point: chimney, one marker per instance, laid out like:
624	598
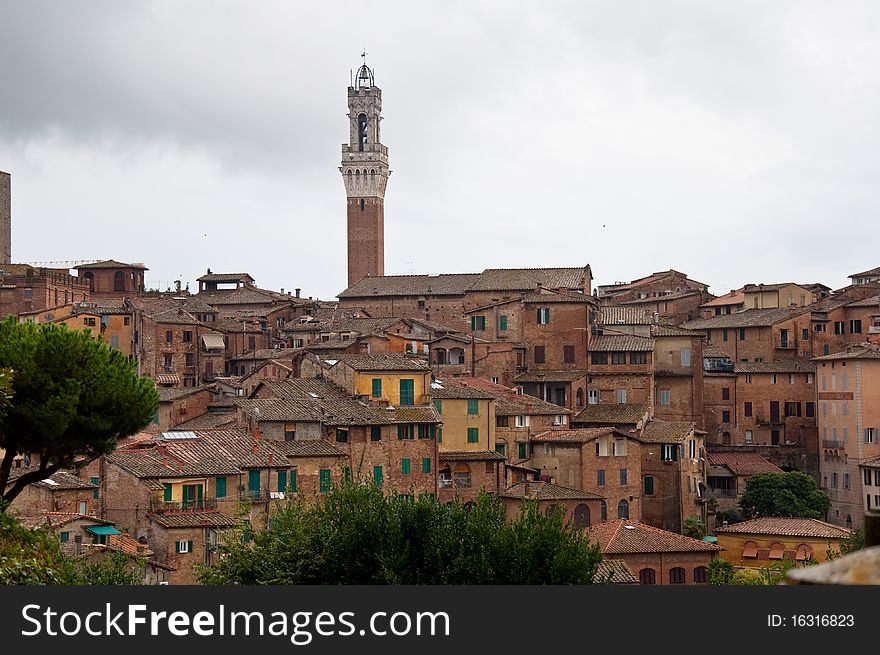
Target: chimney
254	449
271	460
77	544
297	292
282	291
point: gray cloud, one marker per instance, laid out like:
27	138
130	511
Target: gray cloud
736	141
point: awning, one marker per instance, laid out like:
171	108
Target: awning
212	341
102	529
167	378
776	551
750	549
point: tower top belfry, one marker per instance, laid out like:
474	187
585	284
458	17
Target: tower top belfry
364	169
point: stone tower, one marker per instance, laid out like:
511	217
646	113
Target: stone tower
5	218
365	173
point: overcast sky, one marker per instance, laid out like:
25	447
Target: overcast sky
735	141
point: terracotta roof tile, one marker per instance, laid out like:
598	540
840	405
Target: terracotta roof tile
527	279
309	448
446	284
624	536
614	571
111	263
546	491
620	342
742	463
569	375
622	315
384	362
581	435
788	365
860	351
613	413
191	519
788	527
657	431
469	456
747	318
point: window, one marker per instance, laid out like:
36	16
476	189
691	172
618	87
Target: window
519	421
676	575
65	537
426	464
405	431
439	405
603	510
282	480
669	452
405	466
623	509
649	485
724	334
664	395
834	480
838	327
685	357
183	546
407	392
792	409
599	359
501	449
568	354
805	334
623	477
846	480
341	435
870	435
559	419
502	322
750	550
220	487
167	361
187	336
742	334
324	480
473	435
473	407
647	576
747	409
539	354
725	393
810	409
189	359
600	477
592	396
289	431
377	474
543	316
844	408
638	358
748	378
97	482
621	396
868	477
618	358
478	323
521	450
855	326
169	336
748	437
89	321
777	551
376	391
701	574
773	378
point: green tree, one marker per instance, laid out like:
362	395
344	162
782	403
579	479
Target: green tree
784	494
358	535
73	397
694	528
720	572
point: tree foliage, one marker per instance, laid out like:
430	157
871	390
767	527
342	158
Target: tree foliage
694	528
358	535
73	397
792	494
34	557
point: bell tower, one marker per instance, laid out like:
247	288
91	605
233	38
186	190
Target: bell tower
365	173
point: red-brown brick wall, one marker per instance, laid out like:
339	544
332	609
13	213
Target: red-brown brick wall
366	238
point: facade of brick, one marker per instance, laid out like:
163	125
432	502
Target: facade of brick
112	280
25	288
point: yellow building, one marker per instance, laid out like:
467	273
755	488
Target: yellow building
111	324
468	416
771	296
763	541
393	378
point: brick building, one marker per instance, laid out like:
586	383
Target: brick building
581	508
670	294
63	491
728	470
110	279
25	288
849	427
656	556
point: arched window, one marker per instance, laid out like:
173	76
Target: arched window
623	509
362	131
750	550
580	397
603	510
582	516
647	576
90	278
550	509
777	551
676	575
119	281
701	574
804	551
441	356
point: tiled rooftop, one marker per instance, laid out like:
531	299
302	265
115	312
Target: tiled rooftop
788	527
624	536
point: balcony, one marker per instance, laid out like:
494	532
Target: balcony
722	493
461	481
832	443
784	344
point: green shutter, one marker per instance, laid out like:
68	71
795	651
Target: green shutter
190	545
282	480
440	435
167	497
433	431
473	323
176	546
473	435
293	480
95	481
376	433
377	474
254	482
377	387
220	486
502	322
200	495
401	431
439	405
538	316
426	464
404	466
649	485
521	450
501	449
423	434
473	407
325	480
407	392
64	537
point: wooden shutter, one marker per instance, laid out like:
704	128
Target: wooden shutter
426	464
167	496
405	466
